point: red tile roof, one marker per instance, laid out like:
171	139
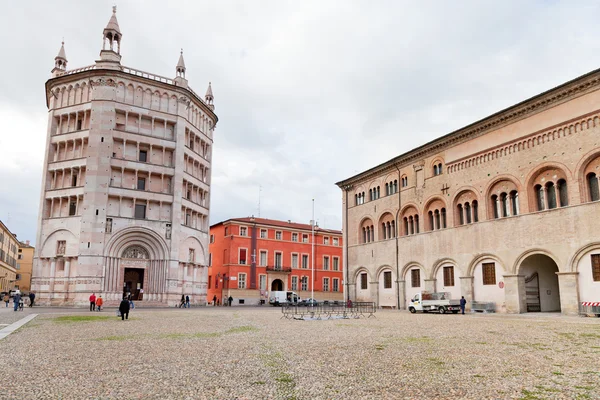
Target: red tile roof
282	224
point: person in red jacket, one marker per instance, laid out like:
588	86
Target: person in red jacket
93	302
99	303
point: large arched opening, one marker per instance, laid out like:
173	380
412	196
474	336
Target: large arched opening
277	285
541	283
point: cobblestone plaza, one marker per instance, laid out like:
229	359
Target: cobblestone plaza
226	353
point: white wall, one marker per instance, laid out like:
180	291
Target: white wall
387	297
489	293
363	295
588	289
455	292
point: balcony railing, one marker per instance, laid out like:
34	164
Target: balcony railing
276	268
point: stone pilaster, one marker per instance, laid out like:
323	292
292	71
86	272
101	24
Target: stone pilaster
514	294
466	289
569	292
374	292
402	293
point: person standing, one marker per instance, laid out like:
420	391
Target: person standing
6	299
215	300
187	301
31	299
463	303
131	305
16	301
230	300
93	302
182	301
124	309
99	303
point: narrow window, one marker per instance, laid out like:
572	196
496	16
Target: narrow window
294	237
263	233
143	156
504	204
140	211
395	185
263	258
430	220
461	217
241	281
326	263
435	170
489	273
278	235
539	192
415	278
209	281
387	189
72	208
406	232
449	276
278	263
294	283
495	206
74	180
563	194
387	280
393	229
468	212
437	219
141	184
326	284
294	260
336	264
262	282
596	267
475	214
593	187
551	193
242	259
443	218
383	230
416	224
79	124
355	199
304	282
305	261
363	281
336	285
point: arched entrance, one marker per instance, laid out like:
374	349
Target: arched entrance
541	283
134	261
277	285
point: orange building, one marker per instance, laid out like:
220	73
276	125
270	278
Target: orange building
250	257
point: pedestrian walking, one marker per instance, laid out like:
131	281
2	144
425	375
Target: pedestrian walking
31	299
187	301
124	309
215	300
21	303
16	300
130	299
182	301
93	302
6	299
463	303
99	303
230	300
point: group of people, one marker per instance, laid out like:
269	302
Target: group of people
96	302
185	301
216	302
18	301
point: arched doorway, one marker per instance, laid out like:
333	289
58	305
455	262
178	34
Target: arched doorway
277	285
134	261
541	283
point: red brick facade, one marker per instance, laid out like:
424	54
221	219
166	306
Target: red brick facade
250	257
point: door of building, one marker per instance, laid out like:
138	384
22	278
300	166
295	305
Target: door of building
532	293
134	283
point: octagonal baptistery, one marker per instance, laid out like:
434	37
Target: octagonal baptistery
125	190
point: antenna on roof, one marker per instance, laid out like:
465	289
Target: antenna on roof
259	190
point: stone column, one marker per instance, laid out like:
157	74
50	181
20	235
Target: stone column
430	285
568	285
52	277
466	289
515	297
402	294
67	274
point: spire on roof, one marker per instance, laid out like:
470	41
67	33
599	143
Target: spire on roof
209	95
113	25
180	68
60	61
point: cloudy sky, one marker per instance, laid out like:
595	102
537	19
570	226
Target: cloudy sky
308	92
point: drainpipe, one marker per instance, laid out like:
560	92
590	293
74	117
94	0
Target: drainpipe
347	281
397	234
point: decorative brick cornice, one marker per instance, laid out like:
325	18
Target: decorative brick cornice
543	101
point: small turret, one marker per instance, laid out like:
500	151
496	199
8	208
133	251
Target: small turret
209	96
110	55
60	61
180	72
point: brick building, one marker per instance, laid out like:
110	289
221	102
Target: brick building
125	189
24	266
501	211
9	245
249	257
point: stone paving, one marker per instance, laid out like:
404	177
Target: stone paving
250	353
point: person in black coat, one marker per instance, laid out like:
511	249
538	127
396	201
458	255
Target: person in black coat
124	309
